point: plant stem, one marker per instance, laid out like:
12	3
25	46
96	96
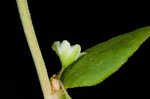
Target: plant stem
35	50
60	73
65	91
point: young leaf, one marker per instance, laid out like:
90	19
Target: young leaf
103	59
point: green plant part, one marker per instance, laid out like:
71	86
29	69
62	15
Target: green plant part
67	54
51	88
99	63
103	59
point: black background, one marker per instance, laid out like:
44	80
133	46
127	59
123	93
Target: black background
85	23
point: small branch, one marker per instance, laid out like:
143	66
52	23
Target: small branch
60	73
64	90
34	48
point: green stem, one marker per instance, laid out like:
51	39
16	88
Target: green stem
35	50
65	91
60	73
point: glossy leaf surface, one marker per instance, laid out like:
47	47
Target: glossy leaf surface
104	59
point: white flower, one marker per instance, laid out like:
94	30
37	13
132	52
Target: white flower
67	54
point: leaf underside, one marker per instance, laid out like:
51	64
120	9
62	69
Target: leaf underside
104	59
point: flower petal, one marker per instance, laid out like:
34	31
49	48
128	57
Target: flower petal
67	54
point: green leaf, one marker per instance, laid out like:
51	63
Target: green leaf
104	59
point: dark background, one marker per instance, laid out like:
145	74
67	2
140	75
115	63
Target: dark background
85	23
